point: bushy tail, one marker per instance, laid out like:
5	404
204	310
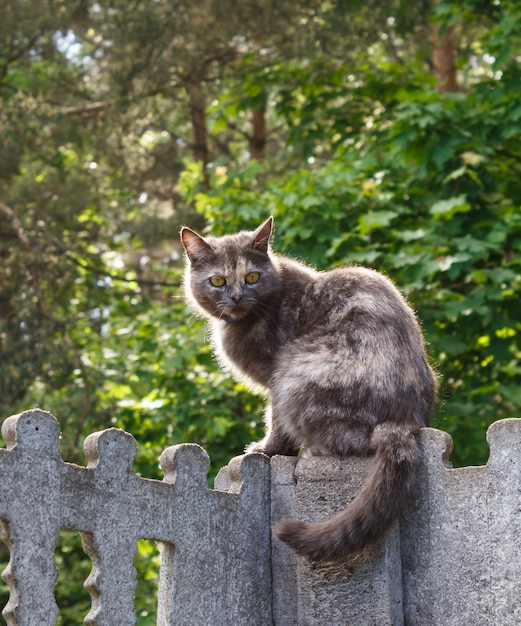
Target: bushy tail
375	506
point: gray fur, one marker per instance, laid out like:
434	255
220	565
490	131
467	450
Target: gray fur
342	356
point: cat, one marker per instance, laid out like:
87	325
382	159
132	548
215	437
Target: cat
342	356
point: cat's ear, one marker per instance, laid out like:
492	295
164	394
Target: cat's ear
261	237
195	246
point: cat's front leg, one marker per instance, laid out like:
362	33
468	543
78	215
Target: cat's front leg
276	441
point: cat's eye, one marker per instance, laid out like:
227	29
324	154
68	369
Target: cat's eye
252	278
218	281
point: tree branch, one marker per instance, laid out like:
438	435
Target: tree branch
118	277
16	56
89	109
15	222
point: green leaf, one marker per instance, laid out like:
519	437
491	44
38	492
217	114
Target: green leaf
448	208
376	219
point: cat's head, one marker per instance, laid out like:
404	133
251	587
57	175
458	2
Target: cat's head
233	276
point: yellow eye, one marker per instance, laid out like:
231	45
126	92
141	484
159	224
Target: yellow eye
218	281
252	278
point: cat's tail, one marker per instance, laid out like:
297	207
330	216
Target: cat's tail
378	502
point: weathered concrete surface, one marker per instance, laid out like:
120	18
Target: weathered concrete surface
30	516
284	560
454	558
362	591
219	572
461	538
220	569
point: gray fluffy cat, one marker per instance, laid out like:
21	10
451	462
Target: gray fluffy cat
342	356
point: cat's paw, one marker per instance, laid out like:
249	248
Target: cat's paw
308	452
257	447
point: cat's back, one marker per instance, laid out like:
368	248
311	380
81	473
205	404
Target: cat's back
355	283
352	295
358	343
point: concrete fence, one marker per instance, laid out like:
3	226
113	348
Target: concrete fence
453	558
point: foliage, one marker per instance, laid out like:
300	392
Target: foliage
120	122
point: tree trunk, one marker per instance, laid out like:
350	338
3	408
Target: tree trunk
198	118
443	59
258	137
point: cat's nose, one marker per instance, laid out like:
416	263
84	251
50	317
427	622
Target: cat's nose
237	298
